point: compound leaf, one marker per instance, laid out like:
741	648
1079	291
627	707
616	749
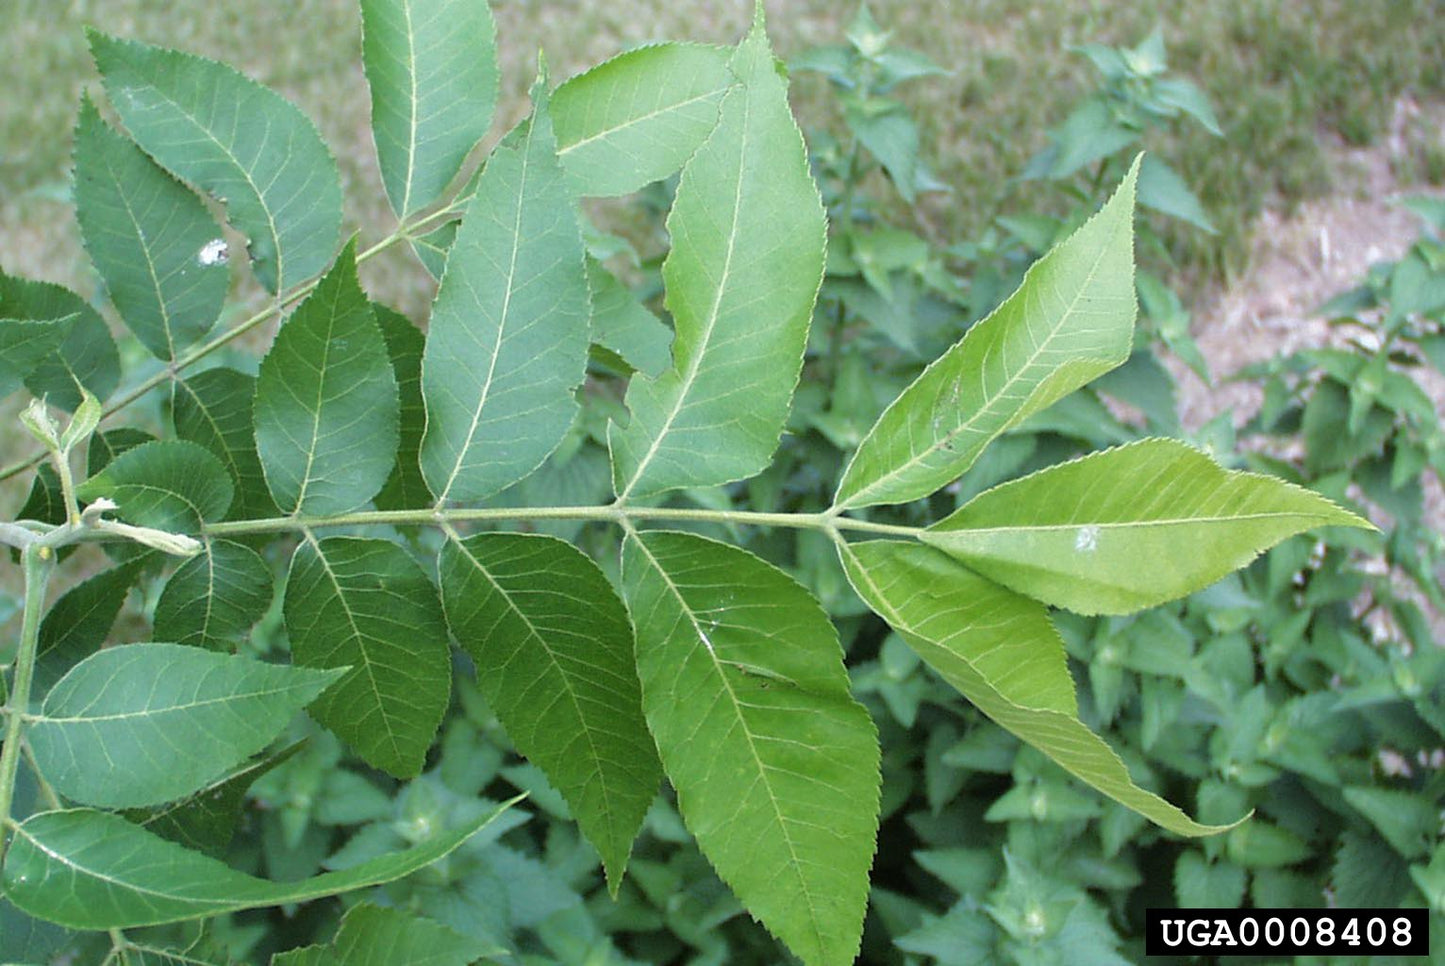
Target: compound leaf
326	401
85	356
213	409
507	342
1001	651
215	598
365	604
432	69
152	240
1070	320
149	723
243	143
747	233
738	659
638	117
166	484
94	870
1127	528
554	657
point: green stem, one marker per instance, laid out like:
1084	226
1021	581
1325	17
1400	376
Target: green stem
191	357
38	563
621	515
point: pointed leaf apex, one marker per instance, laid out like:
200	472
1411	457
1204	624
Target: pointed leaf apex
760	17
540	84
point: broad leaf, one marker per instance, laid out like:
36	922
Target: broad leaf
93	870
747	231
213	409
554	656
507	341
365	604
405	489
167	484
215	598
244	143
85	356
638	117
152	240
77	624
776	766
382	936
25	343
326	401
1071	320
432	69
207	820
149	723
1127	528
1001	651
622	324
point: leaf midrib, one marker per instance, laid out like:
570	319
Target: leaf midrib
638	119
986	409
1130	524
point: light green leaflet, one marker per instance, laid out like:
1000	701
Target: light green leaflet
776	766
1070	321
326	401
166	484
973	632
213	409
365	604
93	870
86	355
636	118
432	69
554	656
622	324
153	241
748	232
382	936
149	723
507	341
1127	528
215	598
244	143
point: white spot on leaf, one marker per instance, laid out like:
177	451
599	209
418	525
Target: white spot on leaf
1087	539
214	252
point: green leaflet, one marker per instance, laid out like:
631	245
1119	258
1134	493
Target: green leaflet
326	401
149	723
554	656
1071	320
748	232
152	240
24	343
638	117
382	936
93	870
213	409
622	324
776	766
241	142
432	69
1127	528
405	489
973	632
86	355
365	604
507	341
215	598
77	624
167	484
